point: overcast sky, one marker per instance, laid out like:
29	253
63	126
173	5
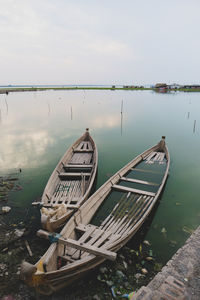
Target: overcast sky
99	42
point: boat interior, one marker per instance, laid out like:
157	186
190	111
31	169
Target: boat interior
73	178
121	211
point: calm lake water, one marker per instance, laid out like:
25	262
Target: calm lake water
37	128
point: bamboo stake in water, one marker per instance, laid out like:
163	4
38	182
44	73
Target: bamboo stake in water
6	106
71	114
121	116
194	126
48	108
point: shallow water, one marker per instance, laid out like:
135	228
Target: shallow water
37	128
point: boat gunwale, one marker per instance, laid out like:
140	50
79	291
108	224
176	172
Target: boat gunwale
54	174
115	246
57	279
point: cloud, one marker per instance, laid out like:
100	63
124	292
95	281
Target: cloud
25	150
98	42
110	48
103	121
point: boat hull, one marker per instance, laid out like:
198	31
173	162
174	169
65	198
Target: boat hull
113	233
66	191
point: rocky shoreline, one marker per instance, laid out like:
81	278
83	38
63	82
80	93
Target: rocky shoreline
180	278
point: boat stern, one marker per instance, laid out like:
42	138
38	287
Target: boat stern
33	275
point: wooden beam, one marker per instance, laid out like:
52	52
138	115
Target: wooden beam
78	166
138	181
83	150
127	189
36	203
81	246
74	174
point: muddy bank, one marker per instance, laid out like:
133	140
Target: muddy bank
133	269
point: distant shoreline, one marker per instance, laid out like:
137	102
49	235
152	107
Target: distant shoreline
35	89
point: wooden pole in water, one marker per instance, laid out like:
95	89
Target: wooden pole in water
194	126
6	106
71	113
28	248
48	108
188	114
121	116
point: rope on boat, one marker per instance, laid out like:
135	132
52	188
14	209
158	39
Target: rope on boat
54	237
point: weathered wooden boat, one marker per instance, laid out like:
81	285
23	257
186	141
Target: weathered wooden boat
90	237
70	183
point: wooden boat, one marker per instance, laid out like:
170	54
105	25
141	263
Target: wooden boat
70	183
90	237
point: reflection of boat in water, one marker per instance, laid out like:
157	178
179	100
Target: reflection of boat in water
90	237
70	183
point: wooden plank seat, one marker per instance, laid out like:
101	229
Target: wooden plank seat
75	254
94	236
139	181
127	189
78	166
83	150
73	174
80	245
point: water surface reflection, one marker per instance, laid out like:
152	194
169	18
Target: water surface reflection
37	128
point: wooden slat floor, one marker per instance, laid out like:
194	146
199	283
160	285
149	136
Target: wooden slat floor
71	190
124	216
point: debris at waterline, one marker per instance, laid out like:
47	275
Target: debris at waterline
11	258
5	209
7	184
28	248
8	234
188	230
120	280
113	275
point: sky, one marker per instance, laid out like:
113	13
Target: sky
99	42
